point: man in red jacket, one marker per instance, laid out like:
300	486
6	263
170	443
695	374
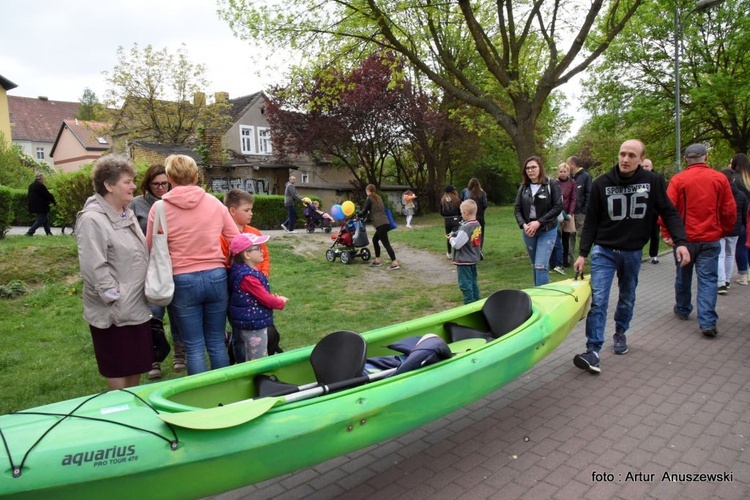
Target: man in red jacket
703	197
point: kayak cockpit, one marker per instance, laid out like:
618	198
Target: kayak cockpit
340	356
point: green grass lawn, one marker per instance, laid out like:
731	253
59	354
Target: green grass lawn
45	348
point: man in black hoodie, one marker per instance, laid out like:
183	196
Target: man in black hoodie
618	225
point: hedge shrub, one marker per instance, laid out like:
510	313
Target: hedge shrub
268	210
6	210
71	190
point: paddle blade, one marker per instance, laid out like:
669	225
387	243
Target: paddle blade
221	417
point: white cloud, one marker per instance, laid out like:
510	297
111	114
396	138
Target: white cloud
56	49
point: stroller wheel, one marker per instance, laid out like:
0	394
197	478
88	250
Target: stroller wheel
328	229
331	255
310	229
346	257
365	254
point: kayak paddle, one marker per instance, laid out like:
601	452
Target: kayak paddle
233	414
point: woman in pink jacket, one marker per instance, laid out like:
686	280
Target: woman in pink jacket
195	220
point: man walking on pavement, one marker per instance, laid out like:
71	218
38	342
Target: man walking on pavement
39	201
704	200
290	198
618	225
583	196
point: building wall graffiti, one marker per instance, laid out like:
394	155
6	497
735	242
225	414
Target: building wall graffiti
251	185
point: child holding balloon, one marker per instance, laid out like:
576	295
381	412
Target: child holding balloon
251	302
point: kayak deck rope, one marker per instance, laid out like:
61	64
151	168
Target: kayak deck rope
571	294
17	469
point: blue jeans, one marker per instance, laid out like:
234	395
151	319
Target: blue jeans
200	311
605	264
291	217
740	254
704	257
42	220
467	283
556	258
539	247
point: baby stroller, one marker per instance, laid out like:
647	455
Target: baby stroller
351	237
316	218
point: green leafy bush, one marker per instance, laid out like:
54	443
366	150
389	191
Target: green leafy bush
16	167
19	201
71	190
12	289
6	210
268	209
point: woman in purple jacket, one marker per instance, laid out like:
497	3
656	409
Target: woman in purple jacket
569	194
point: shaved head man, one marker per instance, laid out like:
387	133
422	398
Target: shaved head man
618	225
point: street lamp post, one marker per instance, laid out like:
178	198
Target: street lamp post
700	6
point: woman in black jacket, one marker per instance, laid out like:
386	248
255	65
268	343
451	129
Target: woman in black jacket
450	209
538	203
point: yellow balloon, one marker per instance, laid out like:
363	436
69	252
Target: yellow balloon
348	208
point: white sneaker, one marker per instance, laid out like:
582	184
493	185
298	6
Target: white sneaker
284	228
293	231
559	270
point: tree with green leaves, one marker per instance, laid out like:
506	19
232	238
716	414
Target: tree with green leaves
158	95
91	109
637	73
505	58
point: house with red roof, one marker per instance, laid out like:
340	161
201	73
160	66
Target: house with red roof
79	142
35	123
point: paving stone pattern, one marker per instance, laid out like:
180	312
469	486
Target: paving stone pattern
677	403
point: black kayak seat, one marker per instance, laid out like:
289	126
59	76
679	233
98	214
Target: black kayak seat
503	312
336	357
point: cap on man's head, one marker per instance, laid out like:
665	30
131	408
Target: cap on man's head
695	151
39	176
243	241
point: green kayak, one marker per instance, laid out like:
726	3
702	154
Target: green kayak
204	434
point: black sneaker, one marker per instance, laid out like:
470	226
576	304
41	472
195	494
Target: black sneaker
621	343
588	361
711	332
682	317
723	290
654	260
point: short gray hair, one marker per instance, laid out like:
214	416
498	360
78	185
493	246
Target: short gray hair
110	169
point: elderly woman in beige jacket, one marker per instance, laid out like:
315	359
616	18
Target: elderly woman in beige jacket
113	259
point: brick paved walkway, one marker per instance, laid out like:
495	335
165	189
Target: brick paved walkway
676	403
